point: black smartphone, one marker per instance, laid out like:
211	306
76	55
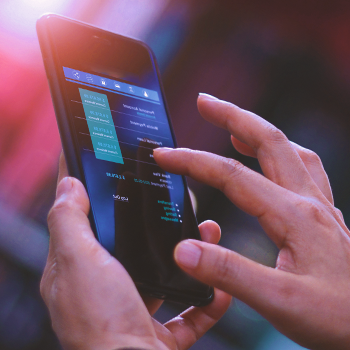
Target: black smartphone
111	113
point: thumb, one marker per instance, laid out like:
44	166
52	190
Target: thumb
261	287
70	232
69	229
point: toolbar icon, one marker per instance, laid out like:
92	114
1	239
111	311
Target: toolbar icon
89	78
131	89
117	85
145	93
76	75
103	82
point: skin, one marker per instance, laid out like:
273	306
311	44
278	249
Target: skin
93	302
307	295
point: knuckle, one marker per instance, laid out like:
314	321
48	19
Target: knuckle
97	254
287	291
231	168
190	155
339	213
60	207
51	218
310	157
68	257
47	278
312	209
224	268
315	210
67	204
190	323
43	286
275	135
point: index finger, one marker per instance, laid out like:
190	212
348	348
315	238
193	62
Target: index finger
276	155
250	191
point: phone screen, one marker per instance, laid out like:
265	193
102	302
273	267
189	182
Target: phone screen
118	116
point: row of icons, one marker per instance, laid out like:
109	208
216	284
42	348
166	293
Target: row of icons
103	82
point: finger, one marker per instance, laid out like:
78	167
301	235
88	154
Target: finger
310	159
193	323
62	168
249	190
275	153
315	168
210	231
261	287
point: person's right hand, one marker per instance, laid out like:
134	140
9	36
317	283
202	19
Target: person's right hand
307	295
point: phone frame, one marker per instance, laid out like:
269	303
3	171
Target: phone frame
70	143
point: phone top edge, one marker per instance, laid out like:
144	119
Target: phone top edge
57	98
46	16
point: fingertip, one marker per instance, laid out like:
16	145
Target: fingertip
171	159
71	190
215	110
162	156
64	186
210	231
187	254
202	96
204	101
161	151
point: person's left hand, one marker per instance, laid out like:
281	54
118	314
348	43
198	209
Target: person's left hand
92	300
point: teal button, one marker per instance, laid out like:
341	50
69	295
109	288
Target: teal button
101	127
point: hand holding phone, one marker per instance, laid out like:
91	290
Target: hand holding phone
92	300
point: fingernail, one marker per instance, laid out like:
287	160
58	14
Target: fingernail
207	96
162	150
188	254
64	187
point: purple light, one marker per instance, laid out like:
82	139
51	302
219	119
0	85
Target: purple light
19	16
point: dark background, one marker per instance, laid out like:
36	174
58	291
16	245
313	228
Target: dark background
286	61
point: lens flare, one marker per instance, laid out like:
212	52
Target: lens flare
19	16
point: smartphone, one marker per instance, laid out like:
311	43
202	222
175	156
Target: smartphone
111	113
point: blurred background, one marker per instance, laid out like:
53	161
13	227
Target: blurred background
286	61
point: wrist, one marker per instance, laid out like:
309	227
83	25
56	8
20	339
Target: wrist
127	342
123	342
135	344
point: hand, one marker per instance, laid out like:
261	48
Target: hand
92	300
307	295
